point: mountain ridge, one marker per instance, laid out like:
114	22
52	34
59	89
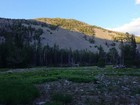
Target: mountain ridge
62	22
70	33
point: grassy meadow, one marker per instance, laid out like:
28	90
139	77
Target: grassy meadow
20	86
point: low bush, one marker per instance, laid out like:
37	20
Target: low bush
79	79
40	80
54	103
15	92
61	98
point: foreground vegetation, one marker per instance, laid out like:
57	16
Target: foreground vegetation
75	74
15	92
18	87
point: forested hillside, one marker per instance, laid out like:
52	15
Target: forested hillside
92	30
29	43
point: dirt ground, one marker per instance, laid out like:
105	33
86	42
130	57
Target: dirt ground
109	90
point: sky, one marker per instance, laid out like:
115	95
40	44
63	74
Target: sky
118	15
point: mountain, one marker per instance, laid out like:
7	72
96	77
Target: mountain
70	33
79	35
57	41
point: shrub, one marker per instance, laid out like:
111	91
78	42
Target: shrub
54	103
39	80
62	98
80	79
15	92
91	40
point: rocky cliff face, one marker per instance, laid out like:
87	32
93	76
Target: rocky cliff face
66	33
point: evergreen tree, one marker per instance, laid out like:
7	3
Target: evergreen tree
101	62
113	56
129	52
101	59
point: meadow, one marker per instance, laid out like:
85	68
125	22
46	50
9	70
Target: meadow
24	86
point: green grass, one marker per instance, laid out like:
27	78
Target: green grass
50	75
15	92
79	74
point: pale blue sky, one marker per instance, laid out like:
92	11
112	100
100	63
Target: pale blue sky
104	13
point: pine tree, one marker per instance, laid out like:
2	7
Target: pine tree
101	59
